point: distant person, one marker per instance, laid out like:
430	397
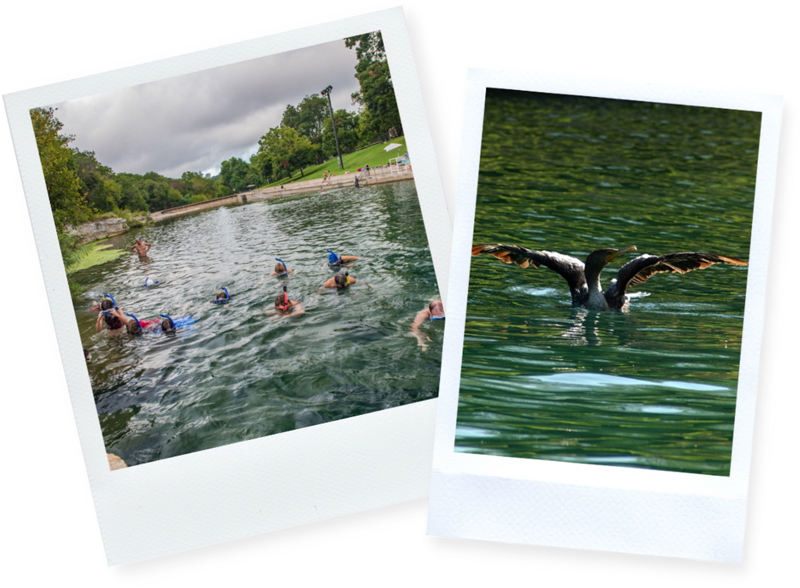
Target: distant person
435	311
366	168
87	356
339	281
136	326
286	307
112	316
337	260
150	282
280	268
223	296
141	247
356	183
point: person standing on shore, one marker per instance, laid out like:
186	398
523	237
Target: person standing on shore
141	248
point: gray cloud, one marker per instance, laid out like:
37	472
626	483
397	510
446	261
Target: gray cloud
196	121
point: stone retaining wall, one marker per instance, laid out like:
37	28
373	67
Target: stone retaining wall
381	175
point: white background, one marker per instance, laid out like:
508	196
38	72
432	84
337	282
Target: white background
48	521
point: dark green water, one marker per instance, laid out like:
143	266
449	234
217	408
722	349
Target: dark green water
654	388
239	373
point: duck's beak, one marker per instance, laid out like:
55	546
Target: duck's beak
618	252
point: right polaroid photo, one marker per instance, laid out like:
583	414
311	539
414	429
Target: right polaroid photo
607	297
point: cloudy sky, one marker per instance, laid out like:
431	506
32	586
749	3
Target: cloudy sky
196	121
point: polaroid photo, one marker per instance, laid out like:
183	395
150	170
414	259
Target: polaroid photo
242	248
608	277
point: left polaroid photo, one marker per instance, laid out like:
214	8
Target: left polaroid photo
245	251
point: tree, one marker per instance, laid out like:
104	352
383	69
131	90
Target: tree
237	174
347	129
286	148
64	188
377	98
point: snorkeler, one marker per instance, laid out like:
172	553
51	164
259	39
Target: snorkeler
280	268
337	260
112	316
149	282
435	311
286	307
167	325
340	281
223	296
141	247
136	326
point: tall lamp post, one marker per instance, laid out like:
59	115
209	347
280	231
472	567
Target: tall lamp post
327	92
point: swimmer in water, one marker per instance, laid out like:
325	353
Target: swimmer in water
112	316
337	260
136	326
339	281
435	311
286	307
223	296
141	248
280	269
167	325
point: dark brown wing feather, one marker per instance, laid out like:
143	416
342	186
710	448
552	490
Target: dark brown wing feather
570	268
639	270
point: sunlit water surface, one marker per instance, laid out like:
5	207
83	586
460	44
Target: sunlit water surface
654	388
237	373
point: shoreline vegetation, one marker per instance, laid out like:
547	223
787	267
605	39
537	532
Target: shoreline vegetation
303	146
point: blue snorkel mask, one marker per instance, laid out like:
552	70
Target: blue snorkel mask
169	318
227	294
333	259
285	270
136	319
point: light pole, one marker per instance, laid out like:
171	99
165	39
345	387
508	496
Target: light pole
327	92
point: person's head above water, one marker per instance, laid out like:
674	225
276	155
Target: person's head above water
106	304
133	327
342	280
436	308
222	295
167	325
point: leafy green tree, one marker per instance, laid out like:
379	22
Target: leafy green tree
346	129
64	187
377	99
287	149
237	174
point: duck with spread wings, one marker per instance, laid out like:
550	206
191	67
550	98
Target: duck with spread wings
584	278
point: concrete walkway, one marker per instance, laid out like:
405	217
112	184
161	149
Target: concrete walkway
381	175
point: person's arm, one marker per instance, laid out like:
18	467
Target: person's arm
148	245
331	283
347	258
98	325
421	317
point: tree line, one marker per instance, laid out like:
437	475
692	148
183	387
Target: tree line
81	188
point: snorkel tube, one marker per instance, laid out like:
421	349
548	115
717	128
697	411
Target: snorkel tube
333	259
285	298
285	269
171	322
134	318
346	278
114	302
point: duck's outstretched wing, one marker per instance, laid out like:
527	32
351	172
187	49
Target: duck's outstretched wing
569	268
639	270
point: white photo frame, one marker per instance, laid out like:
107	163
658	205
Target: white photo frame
535	501
264	484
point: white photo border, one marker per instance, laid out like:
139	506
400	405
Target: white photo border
274	482
591	506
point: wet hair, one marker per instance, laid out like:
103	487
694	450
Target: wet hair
340	280
167	325
435	304
221	295
86	355
133	327
280	302
279	268
106	304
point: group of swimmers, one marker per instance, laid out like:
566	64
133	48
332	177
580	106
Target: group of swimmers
116	321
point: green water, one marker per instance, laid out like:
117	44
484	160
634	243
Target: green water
656	387
238	373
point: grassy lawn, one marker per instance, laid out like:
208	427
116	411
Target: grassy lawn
374	156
